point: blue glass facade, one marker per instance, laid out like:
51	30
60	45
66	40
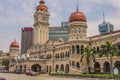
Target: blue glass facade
64	24
58	32
105	28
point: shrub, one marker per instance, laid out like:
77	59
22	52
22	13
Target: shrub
108	76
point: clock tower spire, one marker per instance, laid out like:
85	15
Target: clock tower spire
41	23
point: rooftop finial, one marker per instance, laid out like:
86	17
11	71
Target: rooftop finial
103	17
42	2
77	8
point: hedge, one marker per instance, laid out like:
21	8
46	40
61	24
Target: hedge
108	76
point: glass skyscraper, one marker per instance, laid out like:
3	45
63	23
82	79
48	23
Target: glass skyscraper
58	32
105	27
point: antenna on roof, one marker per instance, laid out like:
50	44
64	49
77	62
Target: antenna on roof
103	17
77	8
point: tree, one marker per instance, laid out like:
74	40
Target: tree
5	62
88	55
109	50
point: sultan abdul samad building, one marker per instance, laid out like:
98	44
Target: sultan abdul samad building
57	55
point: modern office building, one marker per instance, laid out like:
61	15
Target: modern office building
55	33
64	24
105	27
26	39
58	32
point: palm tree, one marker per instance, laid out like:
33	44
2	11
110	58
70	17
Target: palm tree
88	55
5	62
109	50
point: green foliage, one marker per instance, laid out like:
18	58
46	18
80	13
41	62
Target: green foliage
108	76
88	55
5	62
109	50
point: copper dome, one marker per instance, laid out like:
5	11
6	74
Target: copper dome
14	44
42	6
77	16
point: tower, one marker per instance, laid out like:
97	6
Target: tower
41	24
77	36
14	49
105	27
27	39
77	26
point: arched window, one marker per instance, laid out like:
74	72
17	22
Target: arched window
106	67
97	67
56	68
73	63
67	68
98	49
77	65
47	68
62	67
117	65
94	50
25	68
21	68
77	48
82	47
16	66
67	54
50	69
73	49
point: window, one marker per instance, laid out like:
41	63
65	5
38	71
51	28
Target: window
77	65
57	56
67	54
73	63
82	47
94	50
73	49
61	55
49	56
77	48
98	49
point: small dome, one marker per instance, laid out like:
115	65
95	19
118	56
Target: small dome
42	6
14	44
77	16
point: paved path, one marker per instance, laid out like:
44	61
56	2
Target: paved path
9	76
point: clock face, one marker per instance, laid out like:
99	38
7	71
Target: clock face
43	18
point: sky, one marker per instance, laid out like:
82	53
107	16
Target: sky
15	14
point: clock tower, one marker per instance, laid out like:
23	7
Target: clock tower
41	24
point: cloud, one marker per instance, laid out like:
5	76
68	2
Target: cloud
93	28
55	17
15	14
115	3
1	8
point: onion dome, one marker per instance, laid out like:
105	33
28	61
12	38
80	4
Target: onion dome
42	6
14	44
77	16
